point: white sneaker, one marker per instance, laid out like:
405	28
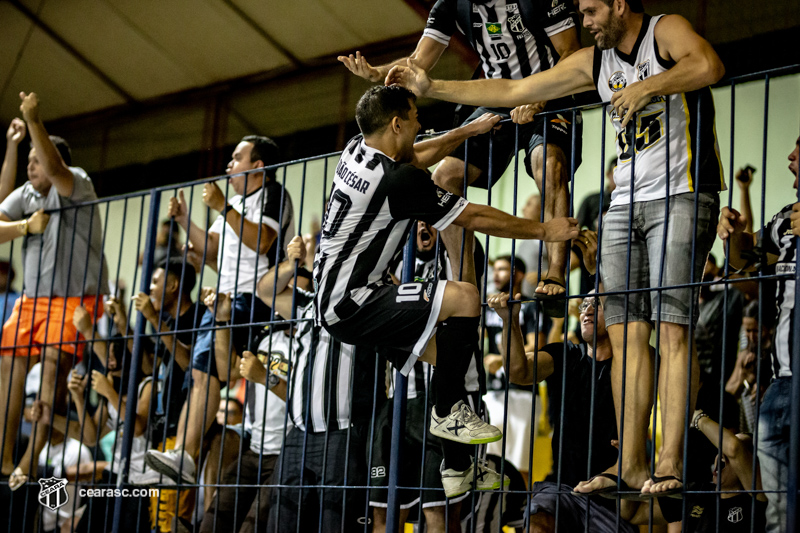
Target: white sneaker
456	483
169	464
150	477
463	425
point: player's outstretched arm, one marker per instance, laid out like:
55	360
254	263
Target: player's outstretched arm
697	65
426	55
491	221
572	75
431	151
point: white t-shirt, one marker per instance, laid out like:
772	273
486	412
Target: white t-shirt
267	205
268	427
73	453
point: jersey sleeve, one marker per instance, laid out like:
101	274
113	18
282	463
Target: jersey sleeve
556	16
12	206
441	23
413	195
271	212
766	237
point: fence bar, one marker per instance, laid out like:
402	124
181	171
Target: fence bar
399	412
136	357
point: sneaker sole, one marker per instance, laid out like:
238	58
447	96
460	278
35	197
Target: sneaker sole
493	487
449	436
165	469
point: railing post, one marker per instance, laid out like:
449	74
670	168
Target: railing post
399	408
136	357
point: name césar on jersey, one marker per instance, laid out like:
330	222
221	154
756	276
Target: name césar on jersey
350	178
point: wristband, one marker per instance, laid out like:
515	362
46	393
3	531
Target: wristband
226	209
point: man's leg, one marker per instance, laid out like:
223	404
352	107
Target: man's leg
449	175
672	380
555	196
773	450
53	392
200	413
437	522
638	403
379	519
12	393
214	469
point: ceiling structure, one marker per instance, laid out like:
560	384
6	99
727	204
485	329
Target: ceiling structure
133	81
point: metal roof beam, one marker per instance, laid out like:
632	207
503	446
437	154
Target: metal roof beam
82	59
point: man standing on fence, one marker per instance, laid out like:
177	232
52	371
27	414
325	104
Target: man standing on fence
514	39
248	237
777	240
64	268
379	189
656	72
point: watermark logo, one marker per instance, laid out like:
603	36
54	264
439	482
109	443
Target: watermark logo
53	492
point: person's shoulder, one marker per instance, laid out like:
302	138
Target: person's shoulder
82	185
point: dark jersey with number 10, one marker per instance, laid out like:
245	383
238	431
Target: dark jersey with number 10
373	202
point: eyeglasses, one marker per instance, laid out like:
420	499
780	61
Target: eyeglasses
590	303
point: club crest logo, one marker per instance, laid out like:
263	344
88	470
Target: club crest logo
643	70
53	492
735	515
515	23
617	81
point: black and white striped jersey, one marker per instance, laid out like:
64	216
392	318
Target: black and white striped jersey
513	43
373	202
777	239
330	381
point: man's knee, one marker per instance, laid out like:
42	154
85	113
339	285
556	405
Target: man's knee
556	164
674	339
466	298
449	175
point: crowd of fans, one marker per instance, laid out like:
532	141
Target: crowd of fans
266	402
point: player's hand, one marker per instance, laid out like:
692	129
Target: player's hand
102	384
483	123
412	77
629	100
37	222
499	302
178	209
795	219
29	106
143	304
587	243
213	196
296	250
81	319
16	131
252	369
524	113
730	222
560	229
358	65
744	177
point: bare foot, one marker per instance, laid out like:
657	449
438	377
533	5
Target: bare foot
550	287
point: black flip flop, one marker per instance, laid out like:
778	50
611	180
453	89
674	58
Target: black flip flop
619	489
552	304
676	493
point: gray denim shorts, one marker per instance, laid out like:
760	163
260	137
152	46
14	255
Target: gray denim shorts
647	251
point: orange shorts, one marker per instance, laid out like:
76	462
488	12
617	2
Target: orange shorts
36	322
